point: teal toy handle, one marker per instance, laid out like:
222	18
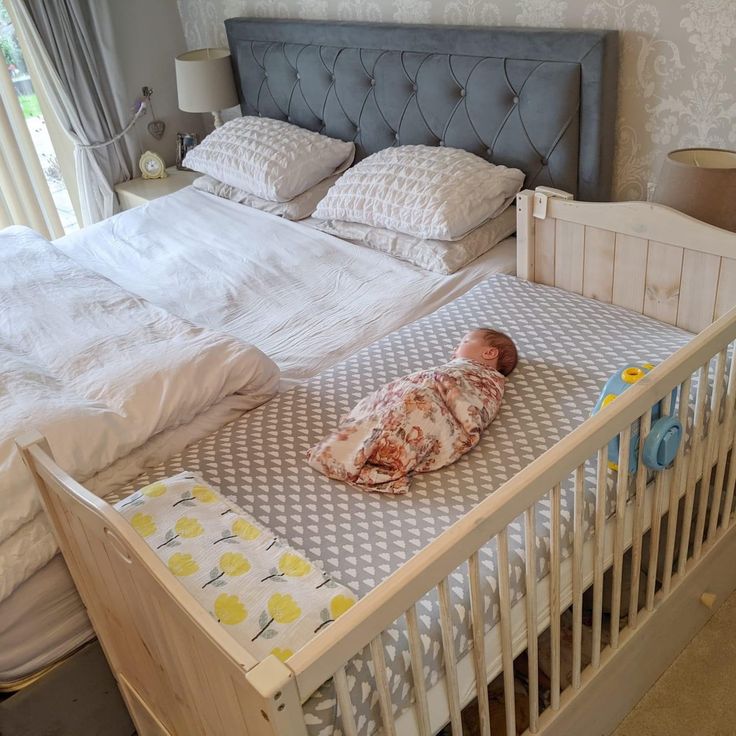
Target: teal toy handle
662	443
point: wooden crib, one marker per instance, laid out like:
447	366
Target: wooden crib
181	673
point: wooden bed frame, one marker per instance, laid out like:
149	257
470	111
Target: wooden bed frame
181	673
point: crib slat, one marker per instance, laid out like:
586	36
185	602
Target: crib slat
726	443
554	597
728	503
598	553
417	671
577	578
507	655
347	718
712	437
692	469
448	650
622	487
679	470
655	524
384	693
479	644
637	536
530	535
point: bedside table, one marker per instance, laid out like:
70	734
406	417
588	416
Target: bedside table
139	191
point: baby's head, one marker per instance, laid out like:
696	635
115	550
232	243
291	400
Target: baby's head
488	347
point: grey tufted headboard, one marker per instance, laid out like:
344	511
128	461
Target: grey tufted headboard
541	100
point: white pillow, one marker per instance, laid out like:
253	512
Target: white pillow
443	256
427	191
300	207
270	158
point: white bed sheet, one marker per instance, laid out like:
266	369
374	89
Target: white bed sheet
307	299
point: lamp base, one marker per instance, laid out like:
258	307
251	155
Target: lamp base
218	118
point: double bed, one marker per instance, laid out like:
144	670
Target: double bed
480	561
543	101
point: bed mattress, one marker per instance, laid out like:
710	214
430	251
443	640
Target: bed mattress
568	347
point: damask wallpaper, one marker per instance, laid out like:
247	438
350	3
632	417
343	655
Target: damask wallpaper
678	65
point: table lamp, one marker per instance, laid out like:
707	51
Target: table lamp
204	80
701	182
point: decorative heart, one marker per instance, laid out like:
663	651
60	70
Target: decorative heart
156	128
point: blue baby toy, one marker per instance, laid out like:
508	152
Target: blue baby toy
660	446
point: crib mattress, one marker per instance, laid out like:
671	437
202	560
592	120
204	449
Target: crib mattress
568	347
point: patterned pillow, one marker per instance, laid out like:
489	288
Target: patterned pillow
430	192
270	158
443	256
295	209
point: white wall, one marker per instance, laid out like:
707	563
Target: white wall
148	35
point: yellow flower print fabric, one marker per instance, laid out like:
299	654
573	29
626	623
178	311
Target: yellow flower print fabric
266	594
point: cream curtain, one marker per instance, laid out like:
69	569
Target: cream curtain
85	113
25	197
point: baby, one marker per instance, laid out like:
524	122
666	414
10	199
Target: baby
420	422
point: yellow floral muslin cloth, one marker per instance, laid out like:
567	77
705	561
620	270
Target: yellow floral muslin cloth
268	596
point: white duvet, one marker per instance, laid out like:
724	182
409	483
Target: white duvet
307	299
99	372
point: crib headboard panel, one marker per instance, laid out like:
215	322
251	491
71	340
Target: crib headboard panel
645	257
541	100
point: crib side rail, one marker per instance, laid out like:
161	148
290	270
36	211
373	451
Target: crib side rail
645	257
710	440
178	670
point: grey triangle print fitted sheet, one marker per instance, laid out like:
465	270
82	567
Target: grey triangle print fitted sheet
568	348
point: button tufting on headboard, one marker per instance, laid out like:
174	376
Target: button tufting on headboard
541	100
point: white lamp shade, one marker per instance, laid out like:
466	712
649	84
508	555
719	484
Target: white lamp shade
204	80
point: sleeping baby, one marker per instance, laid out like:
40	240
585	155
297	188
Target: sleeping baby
420	422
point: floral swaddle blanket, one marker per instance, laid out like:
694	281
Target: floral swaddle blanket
415	424
268	596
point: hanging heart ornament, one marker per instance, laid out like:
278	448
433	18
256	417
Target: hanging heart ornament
156	128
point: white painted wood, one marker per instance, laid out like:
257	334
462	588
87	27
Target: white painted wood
598	265
504	604
646	221
577	577
344	703
382	688
139	191
417	671
598	552
629	272
655	522
544	251
679	471
479	644
569	256
712	436
641	482
698	290
725	439
662	282
181	668
696	440
554	596
622	487
532	616
726	295
525	235
449	657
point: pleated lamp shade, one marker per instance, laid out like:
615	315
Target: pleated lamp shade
701	182
204	81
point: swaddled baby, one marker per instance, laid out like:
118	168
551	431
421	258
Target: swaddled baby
420	422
